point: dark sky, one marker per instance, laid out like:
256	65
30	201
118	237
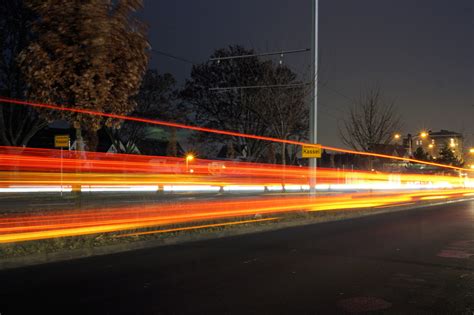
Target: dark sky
420	51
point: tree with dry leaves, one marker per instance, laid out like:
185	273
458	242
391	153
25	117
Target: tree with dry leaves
371	120
18	124
87	55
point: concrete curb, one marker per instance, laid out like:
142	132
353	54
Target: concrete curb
32	260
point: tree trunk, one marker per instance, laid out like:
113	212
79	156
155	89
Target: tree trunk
271	155
79	140
92	140
3	126
37	127
230	150
283	153
172	148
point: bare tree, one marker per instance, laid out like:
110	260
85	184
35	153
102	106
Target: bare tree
228	109
283	108
371	120
254	97
88	55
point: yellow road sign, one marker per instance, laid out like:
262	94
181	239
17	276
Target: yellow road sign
312	151
61	141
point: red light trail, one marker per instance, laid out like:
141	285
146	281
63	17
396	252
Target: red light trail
28	170
216	131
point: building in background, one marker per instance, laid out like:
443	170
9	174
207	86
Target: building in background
469	158
433	142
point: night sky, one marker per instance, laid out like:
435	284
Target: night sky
420	51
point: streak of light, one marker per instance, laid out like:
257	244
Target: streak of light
119	188
53	224
34	170
39	168
275	188
190	188
434	197
396	204
35	189
244	188
206	226
217	131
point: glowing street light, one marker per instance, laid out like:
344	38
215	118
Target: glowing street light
423	134
471	150
396	136
188	158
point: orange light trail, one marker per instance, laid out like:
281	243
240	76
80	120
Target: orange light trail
5	100
29	168
52	224
38	170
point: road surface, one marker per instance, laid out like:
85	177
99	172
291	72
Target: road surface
417	261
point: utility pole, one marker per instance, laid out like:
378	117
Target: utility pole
313	111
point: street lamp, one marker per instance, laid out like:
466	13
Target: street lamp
396	136
423	134
471	150
313	109
188	158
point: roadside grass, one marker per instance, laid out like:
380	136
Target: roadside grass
48	246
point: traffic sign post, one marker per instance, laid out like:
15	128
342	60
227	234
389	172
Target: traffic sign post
313	151
61	141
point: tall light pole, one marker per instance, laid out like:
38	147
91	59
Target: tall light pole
313	110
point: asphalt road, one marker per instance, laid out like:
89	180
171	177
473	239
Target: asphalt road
418	261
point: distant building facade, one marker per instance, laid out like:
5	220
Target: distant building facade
433	142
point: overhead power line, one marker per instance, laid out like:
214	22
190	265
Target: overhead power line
325	86
179	58
283	52
173	56
219	89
